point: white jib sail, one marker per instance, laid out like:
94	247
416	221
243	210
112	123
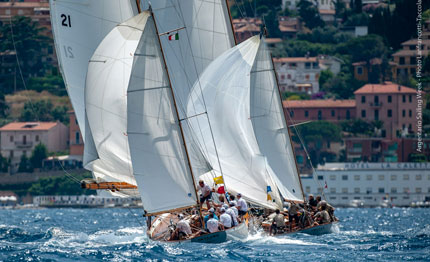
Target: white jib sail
157	150
226	89
270	128
78	27
204	32
107	81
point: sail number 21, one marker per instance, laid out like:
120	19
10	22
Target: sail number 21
66	20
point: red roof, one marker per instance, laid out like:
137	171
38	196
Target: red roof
25	126
329	103
388	87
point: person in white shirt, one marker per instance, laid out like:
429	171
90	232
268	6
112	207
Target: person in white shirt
183	228
241	204
206	194
225	219
213	224
233	212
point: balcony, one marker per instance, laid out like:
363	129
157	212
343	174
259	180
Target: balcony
374	104
20	144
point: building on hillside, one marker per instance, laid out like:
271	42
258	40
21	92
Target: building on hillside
327	15
366	71
355	31
246	27
390	103
379	149
289	26
20	138
311	110
404	63
76	143
321	4
301	74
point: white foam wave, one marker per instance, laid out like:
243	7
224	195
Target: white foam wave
261	238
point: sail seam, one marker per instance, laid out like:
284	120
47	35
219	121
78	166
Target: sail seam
147	89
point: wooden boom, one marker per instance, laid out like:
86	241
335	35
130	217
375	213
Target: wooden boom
114	186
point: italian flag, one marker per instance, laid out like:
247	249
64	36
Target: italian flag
174	36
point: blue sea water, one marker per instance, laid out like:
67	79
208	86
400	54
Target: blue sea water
117	235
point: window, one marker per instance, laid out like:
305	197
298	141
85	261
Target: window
77	138
288	76
344	177
369	177
393	190
359	70
293	65
410	113
389	99
381	177
333	113
406	190
76	121
333	190
24	139
282	77
403	114
11	138
332	198
37	138
402	60
320	177
11	154
418	190
307	77
376	100
292	113
405	177
333	177
419	177
369	190
363	99
410	98
376	114
308	189
307	65
306	113
393	177
389	113
356	177
381	190
363	113
357	190
345	190
404	98
319	115
413	61
348	115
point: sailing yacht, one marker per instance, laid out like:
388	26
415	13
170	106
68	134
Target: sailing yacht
249	126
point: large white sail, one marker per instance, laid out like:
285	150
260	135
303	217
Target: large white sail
204	32
225	86
78	27
157	148
270	128
107	81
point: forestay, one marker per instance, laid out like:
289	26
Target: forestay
78	27
226	89
270	128
107	81
157	150
204	32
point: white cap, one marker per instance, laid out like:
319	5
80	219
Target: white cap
225	206
212	210
222	209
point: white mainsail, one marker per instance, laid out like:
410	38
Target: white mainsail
204	32
78	27
270	127
225	86
159	159
107	81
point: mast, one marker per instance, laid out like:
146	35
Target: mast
286	124
139	10
231	22
179	122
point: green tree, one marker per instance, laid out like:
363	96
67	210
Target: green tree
357	126
364	48
3	106
4	164
314	135
54	84
43	110
24	164
59	186
39	153
325	76
29	42
310	15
